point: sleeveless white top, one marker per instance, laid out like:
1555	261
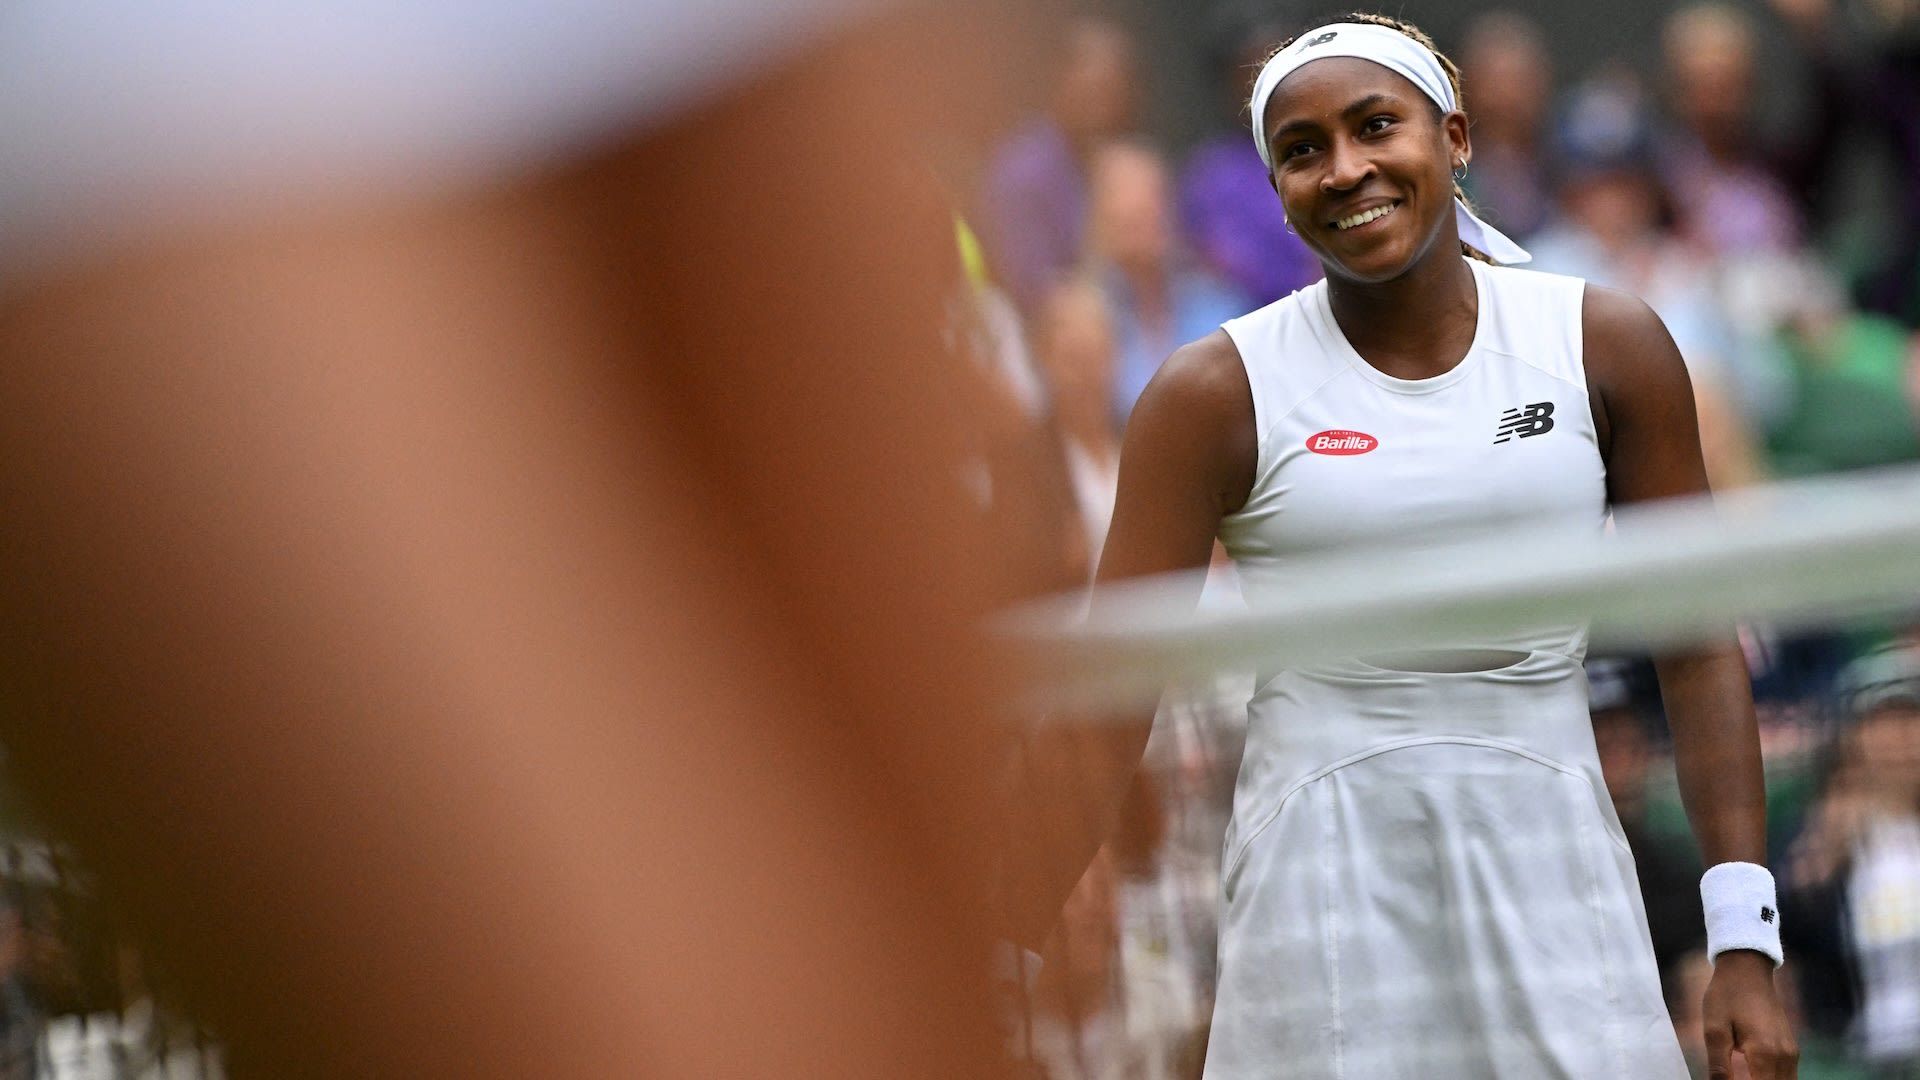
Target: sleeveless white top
1350	455
1424	876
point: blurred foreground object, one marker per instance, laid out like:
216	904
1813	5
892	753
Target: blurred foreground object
485	571
121	118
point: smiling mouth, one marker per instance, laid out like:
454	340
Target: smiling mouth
1365	216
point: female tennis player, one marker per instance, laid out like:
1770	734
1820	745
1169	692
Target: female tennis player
1424	877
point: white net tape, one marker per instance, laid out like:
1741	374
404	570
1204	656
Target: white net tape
1792	554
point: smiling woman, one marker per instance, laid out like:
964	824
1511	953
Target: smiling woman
1425	877
1429	85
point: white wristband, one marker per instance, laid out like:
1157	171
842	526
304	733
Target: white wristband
1742	912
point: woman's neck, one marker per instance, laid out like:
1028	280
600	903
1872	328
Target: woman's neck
1417	325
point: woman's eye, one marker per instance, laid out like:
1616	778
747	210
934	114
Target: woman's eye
1296	150
1378	124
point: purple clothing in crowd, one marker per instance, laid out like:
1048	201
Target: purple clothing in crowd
1034	221
1732	209
1234	221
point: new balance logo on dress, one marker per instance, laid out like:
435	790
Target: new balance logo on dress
1535	419
1766	914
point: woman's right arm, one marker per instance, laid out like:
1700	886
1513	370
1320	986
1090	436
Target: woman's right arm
1187	460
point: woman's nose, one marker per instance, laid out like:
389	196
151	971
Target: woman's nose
1347	167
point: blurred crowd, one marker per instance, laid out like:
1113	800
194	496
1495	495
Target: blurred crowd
76	1000
1785	260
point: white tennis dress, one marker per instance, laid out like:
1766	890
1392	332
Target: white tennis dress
1424	876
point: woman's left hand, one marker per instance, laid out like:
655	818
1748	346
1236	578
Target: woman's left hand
1742	1012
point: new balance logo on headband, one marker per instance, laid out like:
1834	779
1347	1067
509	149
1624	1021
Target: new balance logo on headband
1536	419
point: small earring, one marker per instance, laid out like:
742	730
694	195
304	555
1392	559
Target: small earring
1289	223
1460	171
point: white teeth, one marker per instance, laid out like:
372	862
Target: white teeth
1364	217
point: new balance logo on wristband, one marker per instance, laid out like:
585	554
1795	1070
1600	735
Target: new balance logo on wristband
1535	419
1731	893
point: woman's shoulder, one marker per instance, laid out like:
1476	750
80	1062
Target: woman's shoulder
1619	319
1626	341
1207	374
1196	418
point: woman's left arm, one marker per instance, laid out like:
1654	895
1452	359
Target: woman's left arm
1650	440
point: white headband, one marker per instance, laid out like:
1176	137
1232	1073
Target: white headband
1401	55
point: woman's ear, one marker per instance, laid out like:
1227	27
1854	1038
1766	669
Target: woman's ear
1460	148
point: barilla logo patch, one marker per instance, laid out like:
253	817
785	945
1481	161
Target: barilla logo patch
1341	443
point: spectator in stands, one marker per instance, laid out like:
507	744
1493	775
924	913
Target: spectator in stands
1846	404
1614	231
1011	464
1076	351
1727	198
996	336
1035	215
1227	208
1508	82
1158	299
1857	862
1865	61
1883	880
1814	931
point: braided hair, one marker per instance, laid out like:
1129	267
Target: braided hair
1451	69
